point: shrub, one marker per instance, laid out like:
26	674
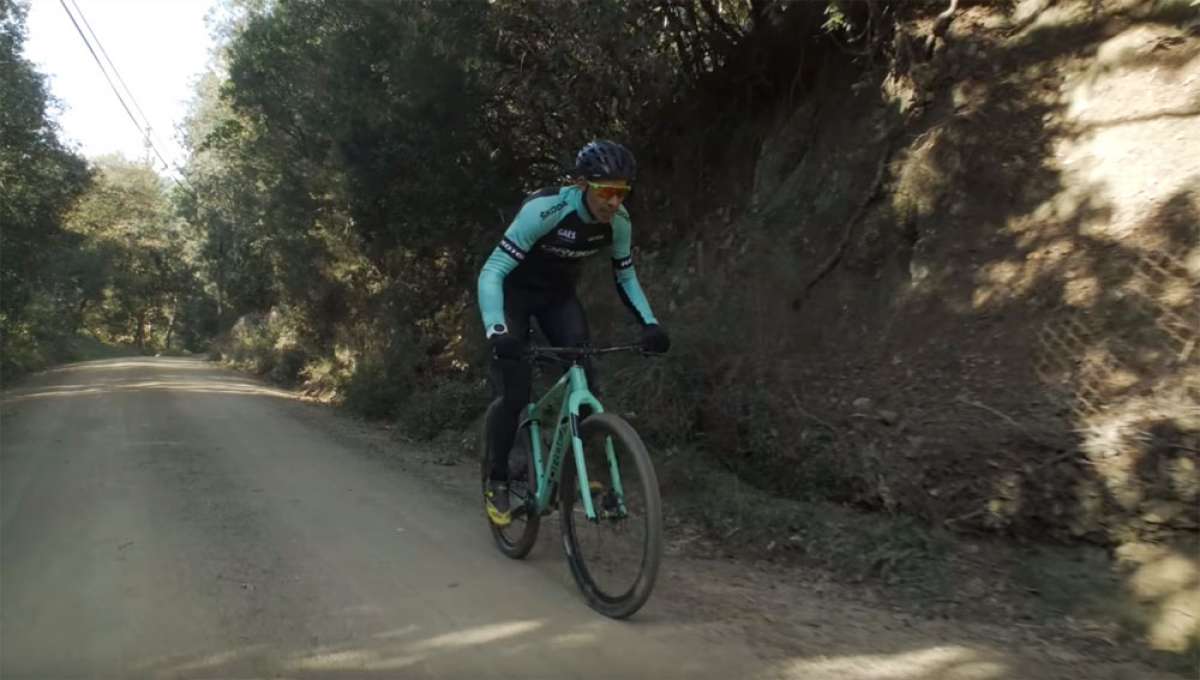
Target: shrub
450	405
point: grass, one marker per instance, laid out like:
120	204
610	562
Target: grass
908	561
29	356
898	550
87	348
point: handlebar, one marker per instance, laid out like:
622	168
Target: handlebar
574	354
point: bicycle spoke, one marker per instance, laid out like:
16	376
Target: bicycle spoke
612	545
518	537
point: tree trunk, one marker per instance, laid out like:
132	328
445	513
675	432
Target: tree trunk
140	336
220	293
79	315
171	323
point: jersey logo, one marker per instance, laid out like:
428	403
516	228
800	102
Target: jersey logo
512	249
567	233
568	253
551	210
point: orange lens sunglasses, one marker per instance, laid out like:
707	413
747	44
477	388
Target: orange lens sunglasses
607	191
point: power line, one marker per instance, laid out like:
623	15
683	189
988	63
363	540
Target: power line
111	65
144	132
148	133
101	65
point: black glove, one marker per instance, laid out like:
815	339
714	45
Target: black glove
506	346
654	339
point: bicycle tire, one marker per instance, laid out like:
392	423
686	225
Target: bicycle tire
619	605
513	543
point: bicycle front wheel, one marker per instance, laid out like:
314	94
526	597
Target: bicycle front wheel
614	557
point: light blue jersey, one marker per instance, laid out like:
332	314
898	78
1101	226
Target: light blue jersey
545	245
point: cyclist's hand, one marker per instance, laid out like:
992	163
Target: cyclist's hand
655	339
506	346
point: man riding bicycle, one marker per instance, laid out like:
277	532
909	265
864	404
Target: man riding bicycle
533	272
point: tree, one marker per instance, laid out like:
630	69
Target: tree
127	223
39	179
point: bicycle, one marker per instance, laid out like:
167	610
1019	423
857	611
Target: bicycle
598	482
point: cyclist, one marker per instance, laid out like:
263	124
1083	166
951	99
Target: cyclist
533	273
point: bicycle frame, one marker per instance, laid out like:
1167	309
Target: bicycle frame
572	385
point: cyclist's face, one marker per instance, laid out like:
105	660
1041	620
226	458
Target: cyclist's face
601	203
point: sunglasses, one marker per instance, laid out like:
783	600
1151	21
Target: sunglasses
607	191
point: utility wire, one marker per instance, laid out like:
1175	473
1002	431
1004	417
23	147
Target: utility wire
145	134
146	126
111	65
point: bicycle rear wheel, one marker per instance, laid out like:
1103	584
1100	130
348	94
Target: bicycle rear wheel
519	537
615	557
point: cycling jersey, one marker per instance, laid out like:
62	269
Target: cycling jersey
543	248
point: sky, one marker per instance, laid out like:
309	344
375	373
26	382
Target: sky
159	47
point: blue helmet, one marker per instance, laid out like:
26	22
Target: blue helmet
603	159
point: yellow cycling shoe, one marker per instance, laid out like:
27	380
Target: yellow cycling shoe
496	503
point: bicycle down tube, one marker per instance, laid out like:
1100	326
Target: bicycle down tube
574	383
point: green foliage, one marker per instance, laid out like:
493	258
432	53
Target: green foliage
94	250
858	545
351	165
658	395
378	105
385	377
266	344
288	366
250	344
132	276
753	424
23	351
40	179
376	389
451	405
835	19
88	348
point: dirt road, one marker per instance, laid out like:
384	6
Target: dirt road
167	518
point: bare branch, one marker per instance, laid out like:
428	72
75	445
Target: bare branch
870	194
940	25
943	20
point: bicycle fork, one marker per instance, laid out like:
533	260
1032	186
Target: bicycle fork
577	399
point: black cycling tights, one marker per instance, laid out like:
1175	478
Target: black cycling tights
564	324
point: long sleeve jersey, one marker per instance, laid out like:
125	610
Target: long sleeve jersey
545	245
